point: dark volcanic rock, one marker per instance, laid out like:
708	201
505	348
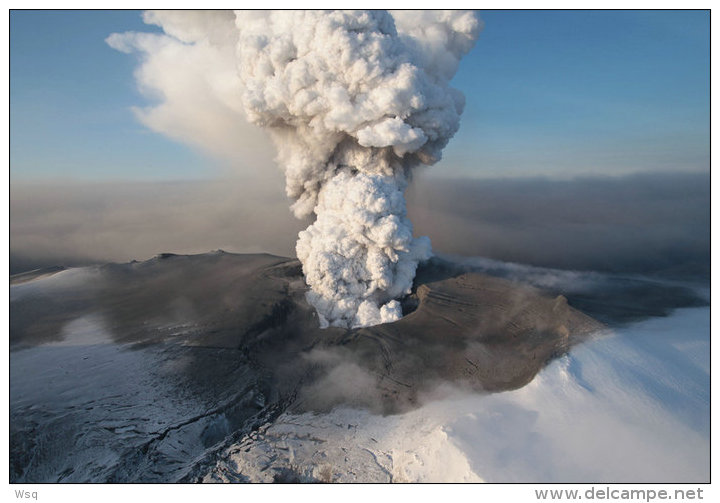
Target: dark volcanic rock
147	367
485	332
473	330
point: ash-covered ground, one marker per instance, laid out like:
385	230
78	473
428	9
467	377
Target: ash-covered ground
213	367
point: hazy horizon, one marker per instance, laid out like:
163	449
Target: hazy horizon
649	223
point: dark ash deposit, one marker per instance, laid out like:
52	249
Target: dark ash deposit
141	372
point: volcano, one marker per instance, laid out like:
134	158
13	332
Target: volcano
139	371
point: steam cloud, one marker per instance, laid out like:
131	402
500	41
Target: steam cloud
353	101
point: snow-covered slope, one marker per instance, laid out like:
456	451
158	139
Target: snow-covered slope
632	405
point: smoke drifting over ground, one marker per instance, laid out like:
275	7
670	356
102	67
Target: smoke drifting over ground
70	224
648	224
353	101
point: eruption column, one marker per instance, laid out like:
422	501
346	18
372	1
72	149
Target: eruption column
354	101
353	106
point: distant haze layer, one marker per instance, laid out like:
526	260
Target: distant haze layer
640	223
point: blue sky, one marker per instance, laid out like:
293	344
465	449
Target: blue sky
549	93
70	97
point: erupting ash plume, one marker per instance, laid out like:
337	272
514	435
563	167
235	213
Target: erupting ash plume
353	101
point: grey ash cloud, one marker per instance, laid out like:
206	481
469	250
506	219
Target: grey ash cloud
642	223
83	223
649	223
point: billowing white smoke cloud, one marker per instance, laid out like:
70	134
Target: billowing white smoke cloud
353	101
189	75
